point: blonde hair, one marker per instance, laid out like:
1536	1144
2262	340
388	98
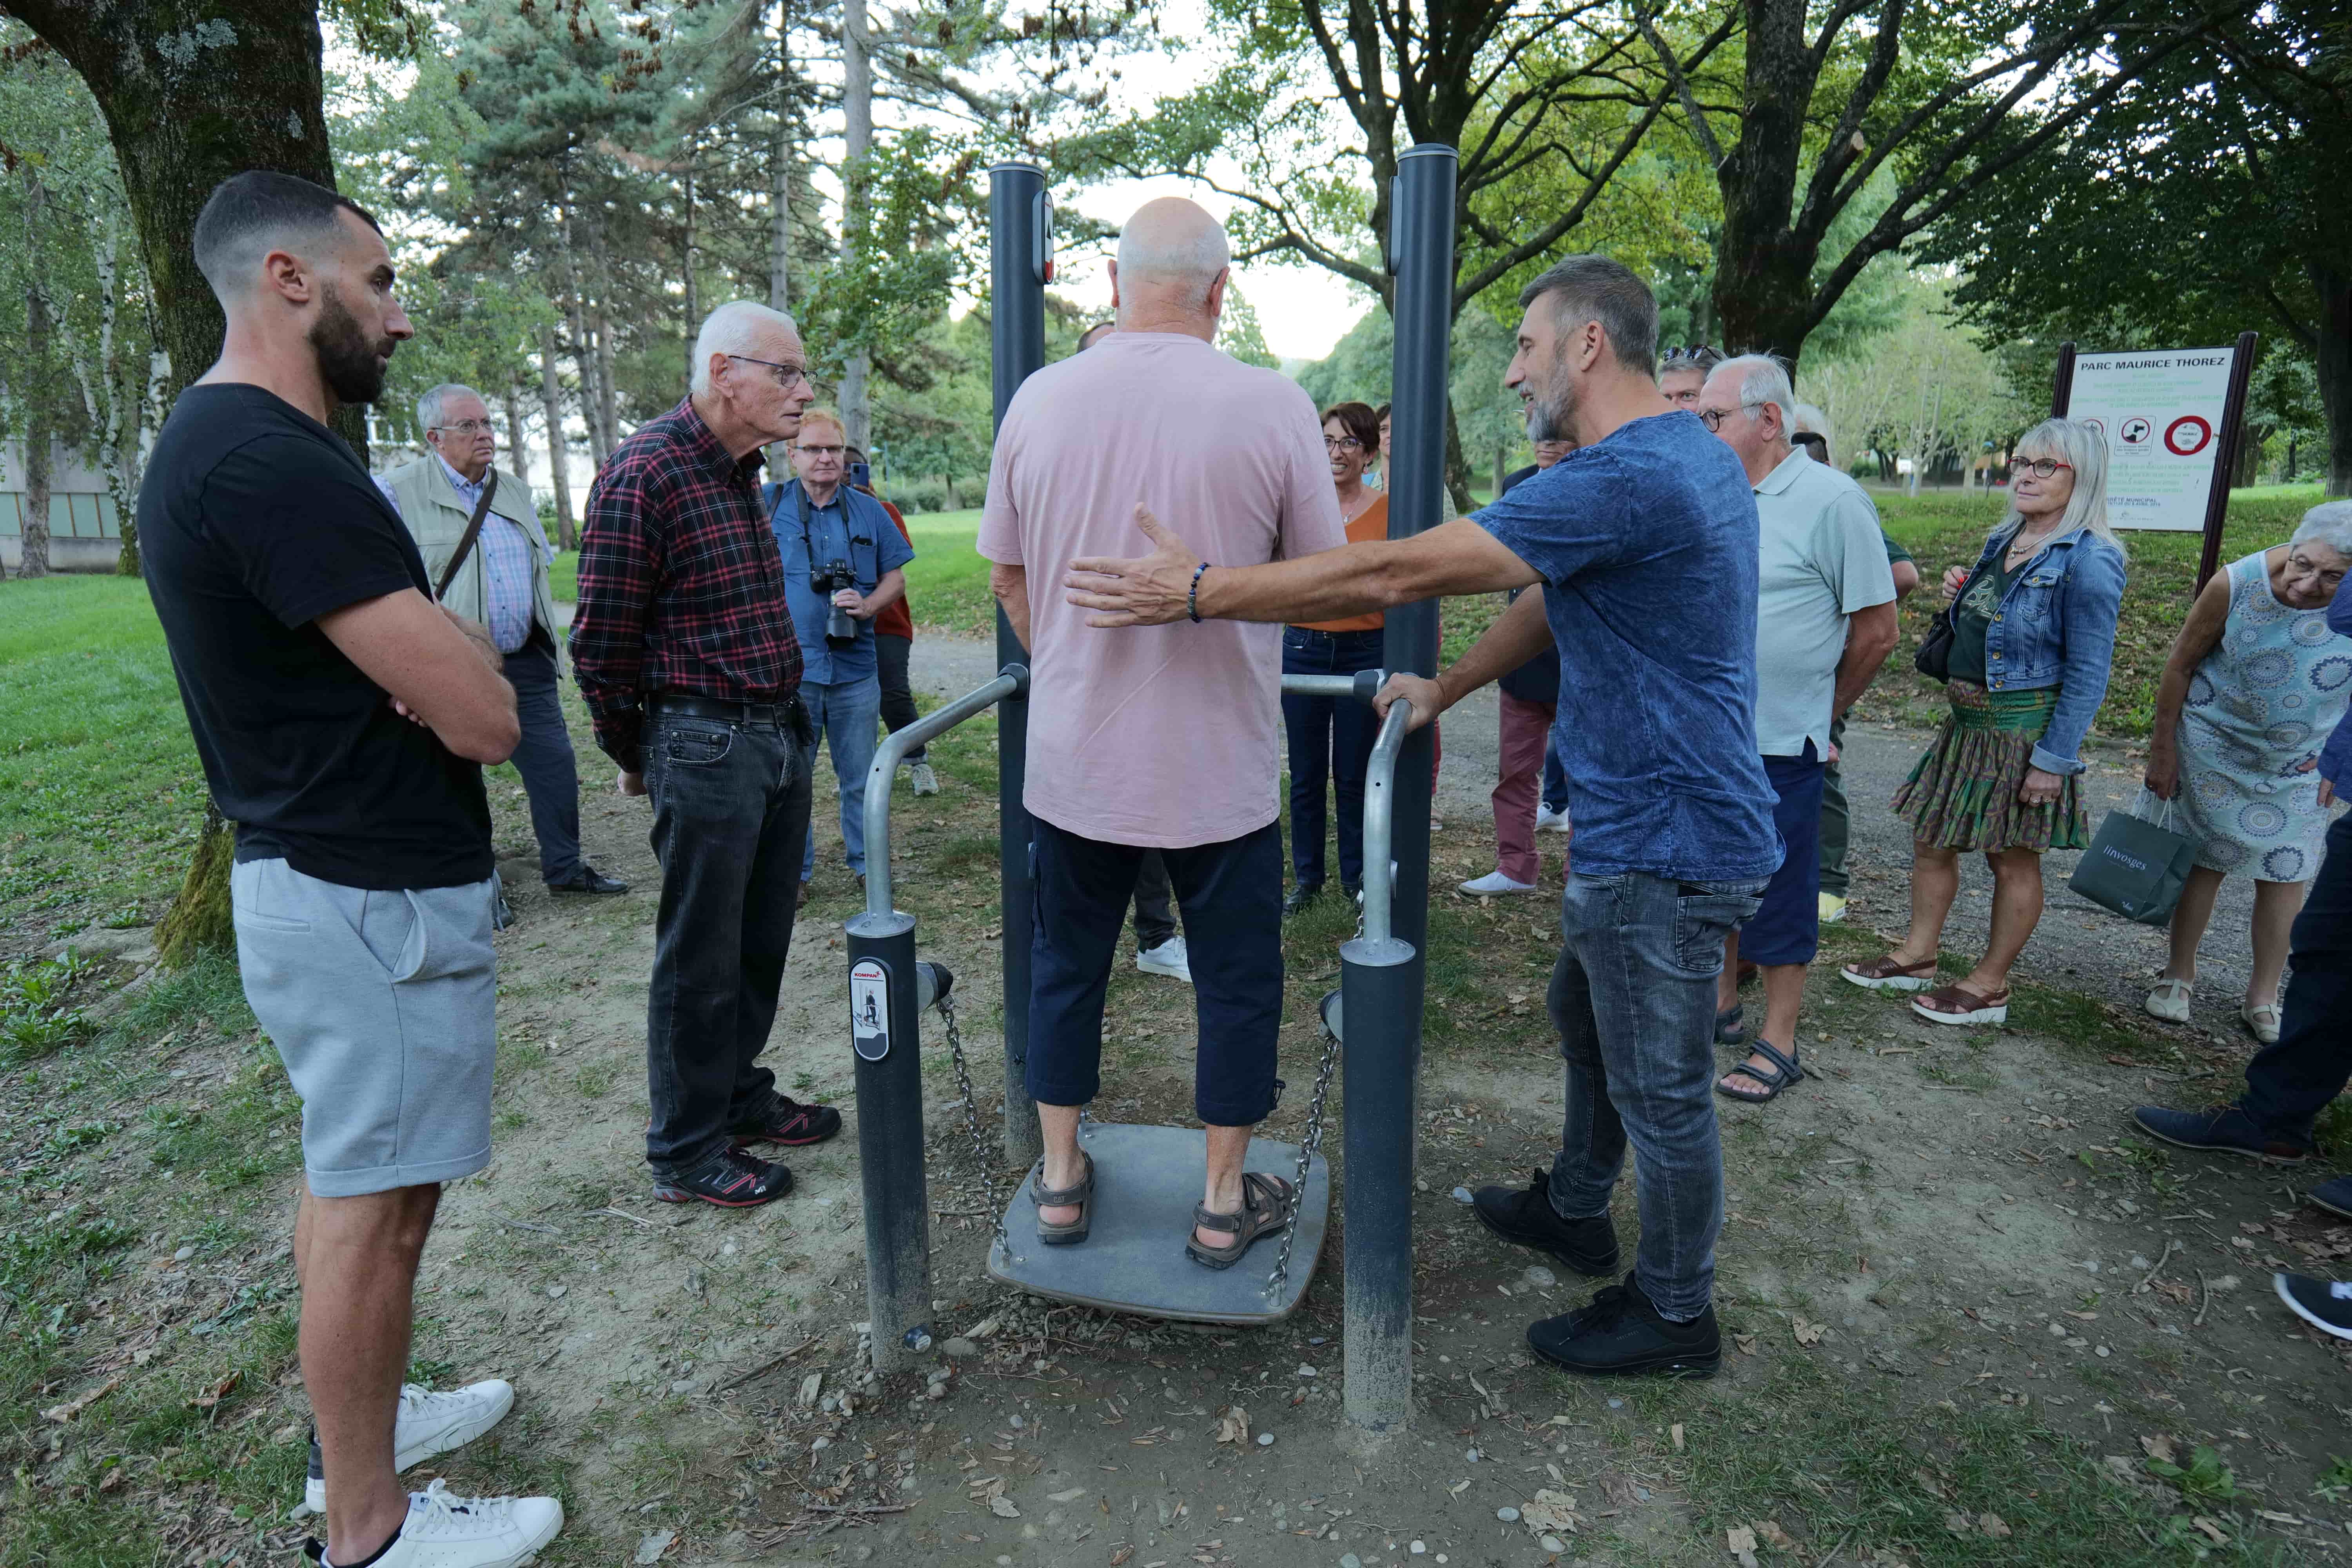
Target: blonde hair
2084	448
821	416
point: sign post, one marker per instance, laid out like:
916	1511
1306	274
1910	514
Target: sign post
2171	419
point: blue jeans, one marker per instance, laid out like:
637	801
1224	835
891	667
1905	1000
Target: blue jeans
2290	1083
1633	999
1331	740
543	757
845	713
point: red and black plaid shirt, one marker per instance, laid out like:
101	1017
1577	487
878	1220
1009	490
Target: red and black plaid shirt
681	587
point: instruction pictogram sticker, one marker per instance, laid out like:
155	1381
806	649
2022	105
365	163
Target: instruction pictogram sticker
2187	436
869	1009
2137	430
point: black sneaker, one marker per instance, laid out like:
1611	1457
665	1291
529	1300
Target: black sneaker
1528	1219
730	1178
791	1123
2325	1307
1300	897
2222	1130
1621	1333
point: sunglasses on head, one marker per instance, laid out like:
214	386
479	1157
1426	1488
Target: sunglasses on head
1693	352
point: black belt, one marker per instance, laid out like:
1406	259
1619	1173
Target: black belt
688	705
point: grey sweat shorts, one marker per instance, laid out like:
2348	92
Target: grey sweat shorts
383	1006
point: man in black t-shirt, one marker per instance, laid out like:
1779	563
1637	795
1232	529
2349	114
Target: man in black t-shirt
342	719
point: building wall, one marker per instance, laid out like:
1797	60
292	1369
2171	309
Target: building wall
85	535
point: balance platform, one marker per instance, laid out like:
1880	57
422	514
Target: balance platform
1147	1180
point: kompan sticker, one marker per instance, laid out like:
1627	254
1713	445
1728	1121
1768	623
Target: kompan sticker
870	1008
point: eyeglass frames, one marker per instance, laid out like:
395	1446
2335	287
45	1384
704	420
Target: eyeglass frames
785	376
2039	467
465	426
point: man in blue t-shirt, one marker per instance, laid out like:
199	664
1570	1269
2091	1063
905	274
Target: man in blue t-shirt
1644	540
835	533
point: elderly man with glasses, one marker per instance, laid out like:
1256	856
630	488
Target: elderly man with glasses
494	572
684	648
845	564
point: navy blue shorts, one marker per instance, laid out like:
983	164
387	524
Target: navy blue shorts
1787	926
1231	897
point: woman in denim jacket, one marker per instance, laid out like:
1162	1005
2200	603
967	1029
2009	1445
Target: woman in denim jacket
2033	627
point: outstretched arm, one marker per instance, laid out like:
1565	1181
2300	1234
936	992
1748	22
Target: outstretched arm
1456	557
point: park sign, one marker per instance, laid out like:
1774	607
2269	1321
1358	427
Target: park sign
2170	419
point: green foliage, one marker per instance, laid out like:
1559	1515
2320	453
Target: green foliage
2206	1478
37	1017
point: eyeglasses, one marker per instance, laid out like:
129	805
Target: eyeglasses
467	426
2039	467
821	451
1713	419
1693	352
1342	444
786	375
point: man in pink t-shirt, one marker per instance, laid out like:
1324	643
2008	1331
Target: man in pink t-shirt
1158	737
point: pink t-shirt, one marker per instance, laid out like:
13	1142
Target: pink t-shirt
1159	736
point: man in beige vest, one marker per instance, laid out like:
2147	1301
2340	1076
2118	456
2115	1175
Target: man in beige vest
501	583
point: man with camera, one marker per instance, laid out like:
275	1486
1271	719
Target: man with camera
844	563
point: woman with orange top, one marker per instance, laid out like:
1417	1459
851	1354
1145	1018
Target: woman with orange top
1331	738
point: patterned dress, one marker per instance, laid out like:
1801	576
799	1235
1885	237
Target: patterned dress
2259	707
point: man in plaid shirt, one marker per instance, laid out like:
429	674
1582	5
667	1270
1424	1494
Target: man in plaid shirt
684	649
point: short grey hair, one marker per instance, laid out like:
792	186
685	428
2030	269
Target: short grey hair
1595	289
733	329
1812	419
2084	448
429	406
2328	523
1150	252
1763	382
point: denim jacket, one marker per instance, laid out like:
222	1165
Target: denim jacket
2336	758
2055	626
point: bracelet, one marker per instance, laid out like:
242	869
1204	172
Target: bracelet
1193	594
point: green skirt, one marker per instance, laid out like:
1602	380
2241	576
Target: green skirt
1963	793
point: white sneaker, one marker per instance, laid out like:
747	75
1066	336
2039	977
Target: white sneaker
1494	883
1168	958
926	781
2170	1001
445	1531
428	1424
1549	821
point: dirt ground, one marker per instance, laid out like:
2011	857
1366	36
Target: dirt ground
1970	1318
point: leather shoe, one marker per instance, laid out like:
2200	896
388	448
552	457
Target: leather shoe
588	879
1525	1217
1300	897
1622	1334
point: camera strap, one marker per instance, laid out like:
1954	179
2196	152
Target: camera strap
848	533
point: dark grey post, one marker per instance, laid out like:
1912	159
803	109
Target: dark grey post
1020	256
891	1145
1382	971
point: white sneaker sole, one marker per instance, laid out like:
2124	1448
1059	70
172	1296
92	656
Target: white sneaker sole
1170	970
1981	1016
2278	1283
457	1435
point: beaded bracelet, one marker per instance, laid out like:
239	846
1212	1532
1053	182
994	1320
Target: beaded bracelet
1193	594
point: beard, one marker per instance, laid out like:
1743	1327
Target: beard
352	367
1551	412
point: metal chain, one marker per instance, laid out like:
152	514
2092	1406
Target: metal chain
1307	1152
946	1006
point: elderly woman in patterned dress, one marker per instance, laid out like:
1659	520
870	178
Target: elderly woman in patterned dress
2255	682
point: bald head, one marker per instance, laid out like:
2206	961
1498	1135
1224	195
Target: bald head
1170	275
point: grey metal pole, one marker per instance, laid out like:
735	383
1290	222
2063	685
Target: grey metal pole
890	1134
1381	973
1020	257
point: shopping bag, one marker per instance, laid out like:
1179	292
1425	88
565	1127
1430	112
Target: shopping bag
2135	867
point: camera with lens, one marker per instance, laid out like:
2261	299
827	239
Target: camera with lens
840	626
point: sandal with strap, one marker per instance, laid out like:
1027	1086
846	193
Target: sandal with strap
1730	1026
2261	1020
1957	1005
1082	1194
1266	1203
1783	1072
1887	973
2168	1000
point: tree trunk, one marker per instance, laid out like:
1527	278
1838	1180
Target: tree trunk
189	101
954	504
779	170
551	398
1763	268
1502	456
693	305
607	408
2334	286
858	111
1457	468
40	436
513	401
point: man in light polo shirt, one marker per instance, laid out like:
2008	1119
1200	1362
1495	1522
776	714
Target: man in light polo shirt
1167	737
1824	623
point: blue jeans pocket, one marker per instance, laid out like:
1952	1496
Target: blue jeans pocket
1705	913
696	745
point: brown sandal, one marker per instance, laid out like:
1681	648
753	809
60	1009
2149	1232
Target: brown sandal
1886	973
1266	1203
1955	1004
1082	1194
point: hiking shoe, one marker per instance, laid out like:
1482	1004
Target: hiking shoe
1550	821
1830	907
2325	1307
445	1531
1525	1217
427	1423
1300	897
791	1123
1622	1333
1494	884
926	781
1168	958
2224	1130
730	1178
2335	1196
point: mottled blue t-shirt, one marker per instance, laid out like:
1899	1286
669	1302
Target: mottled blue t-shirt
1647	542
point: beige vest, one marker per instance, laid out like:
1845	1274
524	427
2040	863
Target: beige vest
435	516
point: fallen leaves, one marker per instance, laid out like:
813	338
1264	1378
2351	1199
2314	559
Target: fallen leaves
1675	1434
1807	1333
1233	1425
2158	1447
73	1407
1740	1541
1989	1525
1747	1344
216	1393
2213	1529
1001	1507
1552	1510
